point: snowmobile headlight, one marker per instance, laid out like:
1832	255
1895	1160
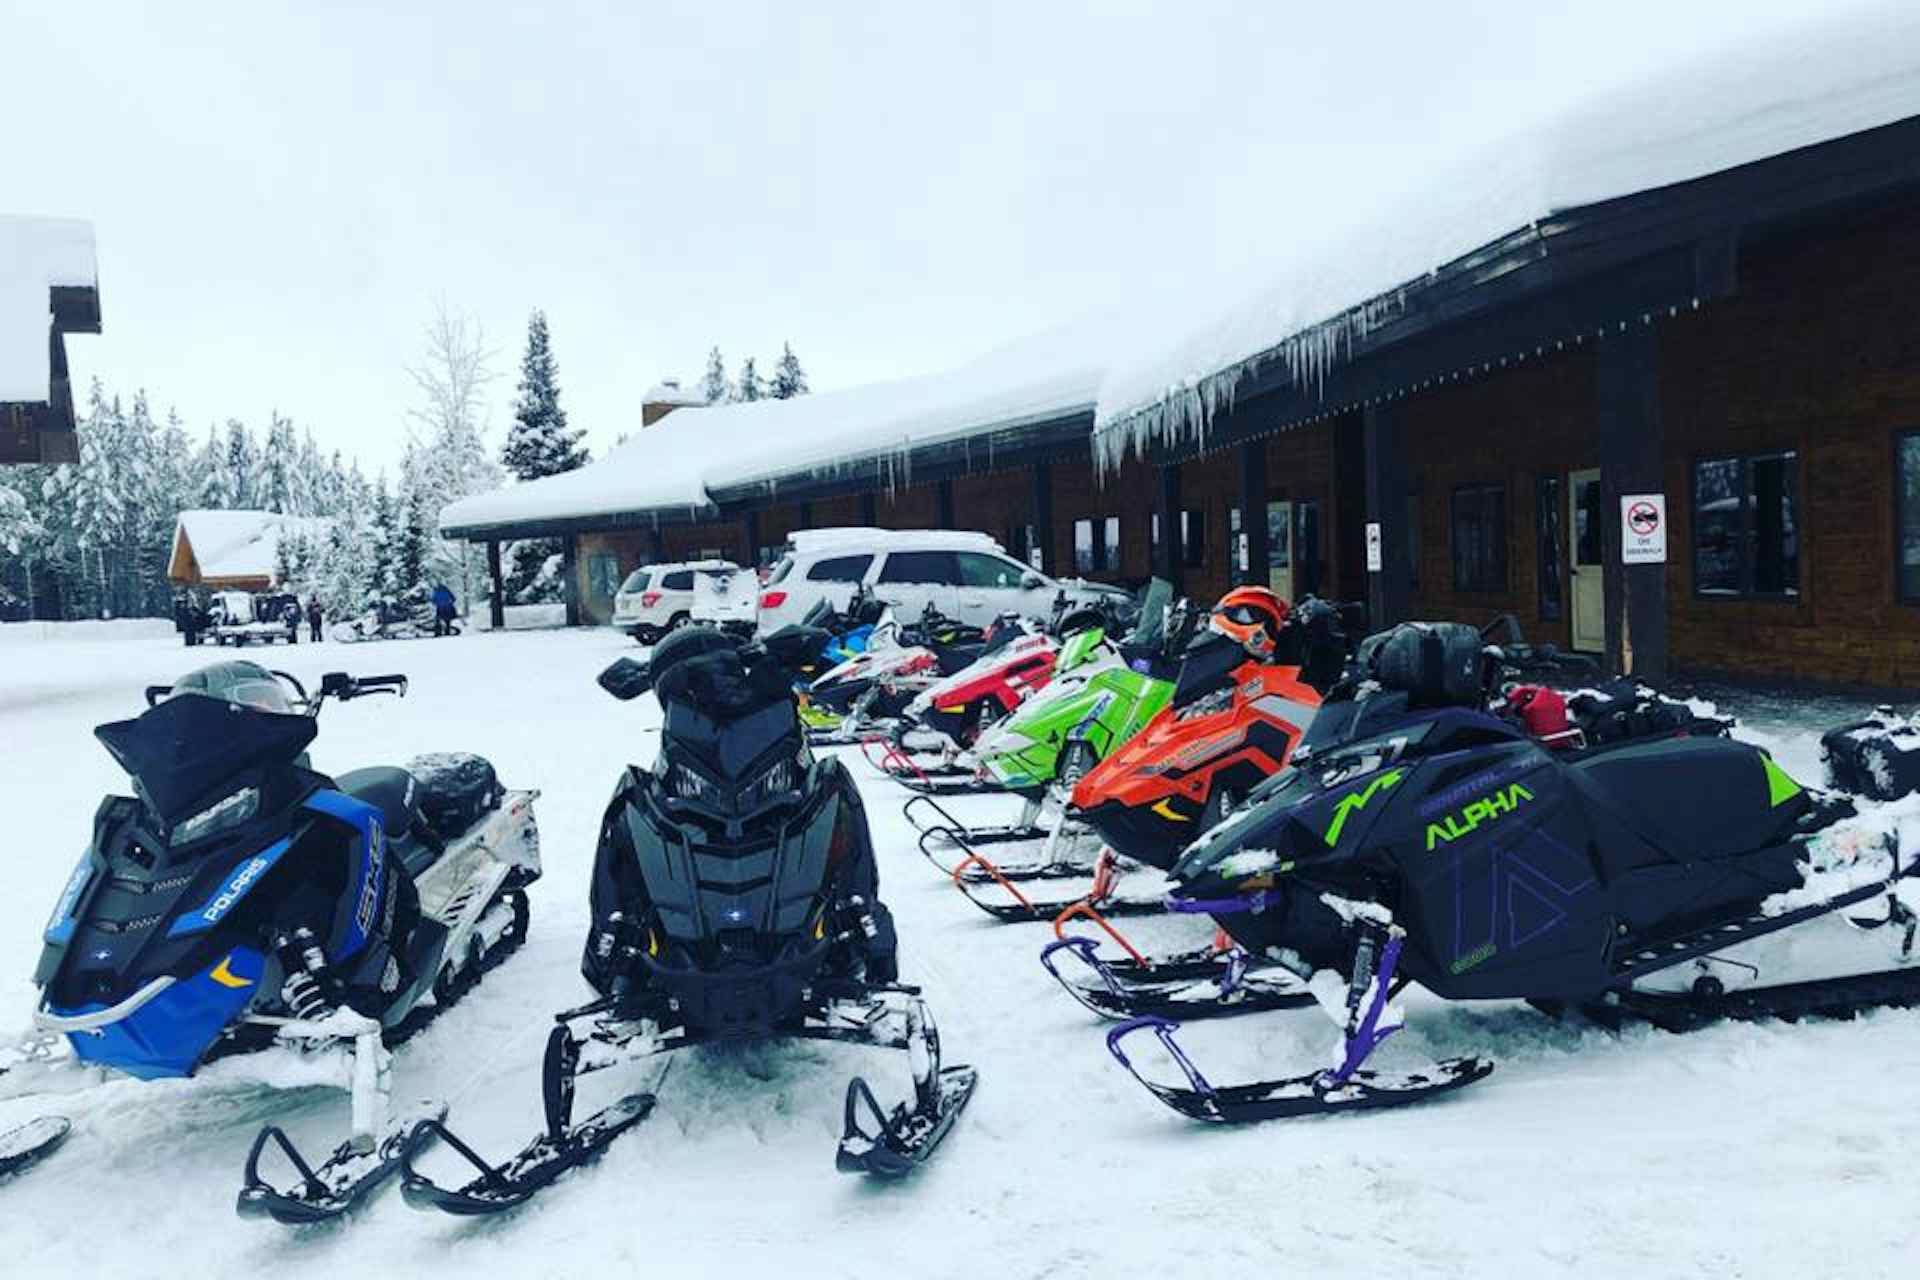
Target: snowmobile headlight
686	784
1252	862
779	778
227	812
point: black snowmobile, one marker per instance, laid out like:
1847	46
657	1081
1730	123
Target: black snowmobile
1418	838
241	903
734	897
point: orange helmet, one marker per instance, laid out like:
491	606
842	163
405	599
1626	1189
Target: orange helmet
1251	615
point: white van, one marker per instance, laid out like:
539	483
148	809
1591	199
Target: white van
656	598
966	576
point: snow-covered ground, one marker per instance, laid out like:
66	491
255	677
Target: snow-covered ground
1736	1151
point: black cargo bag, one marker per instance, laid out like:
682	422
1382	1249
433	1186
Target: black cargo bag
1878	758
455	789
1436	664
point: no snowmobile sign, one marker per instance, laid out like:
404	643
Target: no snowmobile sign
1643	528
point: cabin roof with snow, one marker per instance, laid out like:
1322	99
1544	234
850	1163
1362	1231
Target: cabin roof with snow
1632	204
49	287
233	549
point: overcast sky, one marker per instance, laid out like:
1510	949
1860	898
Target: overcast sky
282	193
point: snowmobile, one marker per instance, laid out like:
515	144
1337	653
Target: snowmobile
1097	701
388	620
240	903
1679	878
734	898
869	690
1248	690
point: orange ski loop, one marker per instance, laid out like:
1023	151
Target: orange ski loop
1085	908
974	859
892	762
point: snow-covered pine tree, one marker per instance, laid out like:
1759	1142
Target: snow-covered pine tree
750	386
277	466
789	379
538	444
211	490
410	562
386	536
714	386
243	467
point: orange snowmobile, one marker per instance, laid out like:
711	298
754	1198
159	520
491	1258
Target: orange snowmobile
1246	693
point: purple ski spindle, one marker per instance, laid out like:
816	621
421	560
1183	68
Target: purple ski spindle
1367	1037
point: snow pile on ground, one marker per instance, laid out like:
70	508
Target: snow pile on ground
1752	1150
524	617
36	255
1840	74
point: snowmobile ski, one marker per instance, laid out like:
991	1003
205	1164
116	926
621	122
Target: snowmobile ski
343	1181
1316	1093
905	1139
539	1163
1227	987
977	873
26	1145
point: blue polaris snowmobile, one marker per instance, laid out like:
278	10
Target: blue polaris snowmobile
240	903
735	897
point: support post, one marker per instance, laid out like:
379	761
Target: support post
497	606
943	502
750	525
806	515
869	509
1632	451
1043	516
1390	588
1173	559
1253	514
570	576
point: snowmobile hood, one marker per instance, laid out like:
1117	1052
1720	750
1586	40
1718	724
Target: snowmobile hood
183	749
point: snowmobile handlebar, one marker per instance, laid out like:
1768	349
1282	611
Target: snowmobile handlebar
342	687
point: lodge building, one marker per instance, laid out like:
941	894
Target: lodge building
1741	345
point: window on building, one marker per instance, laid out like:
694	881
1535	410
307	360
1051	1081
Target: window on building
1549	503
1193	537
1746	525
1309	556
1110	544
603	575
839	569
1020	542
1907	511
1413	538
1085	559
937	567
1480	538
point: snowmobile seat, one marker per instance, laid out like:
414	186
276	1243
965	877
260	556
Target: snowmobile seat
388	790
1694	798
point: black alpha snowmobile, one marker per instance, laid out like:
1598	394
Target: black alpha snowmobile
239	902
734	897
1418	838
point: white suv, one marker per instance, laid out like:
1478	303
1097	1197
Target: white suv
966	576
656	598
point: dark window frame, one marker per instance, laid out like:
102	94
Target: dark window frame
1550	554
813	573
1745	535
1900	437
1193	551
1500	546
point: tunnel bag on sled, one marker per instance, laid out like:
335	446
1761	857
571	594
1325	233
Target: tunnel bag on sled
456	787
1436	664
1878	758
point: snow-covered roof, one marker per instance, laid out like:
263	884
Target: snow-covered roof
669	391
36	256
1845	71
234	545
671	465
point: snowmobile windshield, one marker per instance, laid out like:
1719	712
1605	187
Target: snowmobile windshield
1151	626
1209	664
1079	649
730	747
185	749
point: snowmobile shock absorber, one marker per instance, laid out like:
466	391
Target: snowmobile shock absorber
1364	1033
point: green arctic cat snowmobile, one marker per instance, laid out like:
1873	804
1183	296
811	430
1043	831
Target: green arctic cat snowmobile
1101	694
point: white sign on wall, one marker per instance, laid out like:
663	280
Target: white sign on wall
1643	528
1373	546
1240	552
